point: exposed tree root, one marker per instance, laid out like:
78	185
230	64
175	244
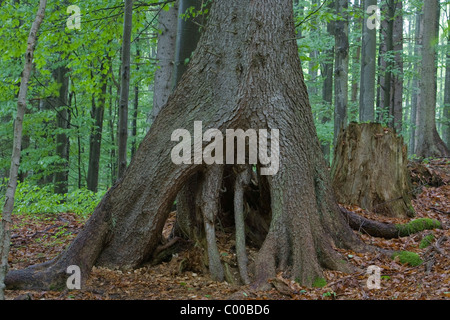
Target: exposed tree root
387	230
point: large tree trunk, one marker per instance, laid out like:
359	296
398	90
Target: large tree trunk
429	144
370	170
242	75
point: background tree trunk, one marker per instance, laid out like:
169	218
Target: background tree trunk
341	68
446	135
124	89
429	144
165	55
415	95
368	66
62	139
5	230
370	170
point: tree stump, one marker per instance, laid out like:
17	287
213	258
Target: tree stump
370	170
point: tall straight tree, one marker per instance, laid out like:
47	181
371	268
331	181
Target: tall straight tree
124	88
429	144
62	138
165	55
391	55
368	64
327	87
446	131
341	67
5	230
95	138
415	88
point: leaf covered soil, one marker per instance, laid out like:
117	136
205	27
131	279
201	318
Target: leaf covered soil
38	238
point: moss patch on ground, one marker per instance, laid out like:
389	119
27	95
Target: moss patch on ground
417	226
408	257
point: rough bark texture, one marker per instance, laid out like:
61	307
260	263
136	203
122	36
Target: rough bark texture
370	170
5	230
245	74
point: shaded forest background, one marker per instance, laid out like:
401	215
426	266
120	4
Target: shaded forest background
70	151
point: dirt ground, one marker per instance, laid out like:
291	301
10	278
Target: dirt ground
38	239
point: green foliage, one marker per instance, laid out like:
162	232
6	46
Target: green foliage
408	257
417	226
32	199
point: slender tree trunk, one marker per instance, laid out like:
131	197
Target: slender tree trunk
429	144
368	69
446	135
135	106
95	139
327	89
124	89
62	139
416	97
248	76
5	231
341	68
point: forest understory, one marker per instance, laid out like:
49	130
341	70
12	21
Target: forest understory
36	239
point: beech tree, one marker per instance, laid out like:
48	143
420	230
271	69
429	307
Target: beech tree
429	143
244	74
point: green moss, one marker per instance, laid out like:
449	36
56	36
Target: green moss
426	241
407	257
319	283
417	226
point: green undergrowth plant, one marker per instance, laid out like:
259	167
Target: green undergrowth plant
32	199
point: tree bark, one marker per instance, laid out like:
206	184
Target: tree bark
391	49
327	89
341	68
124	89
5	231
62	139
95	139
243	75
415	96
446	135
370	170
368	66
165	55
429	144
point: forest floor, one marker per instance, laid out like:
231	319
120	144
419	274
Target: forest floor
36	239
